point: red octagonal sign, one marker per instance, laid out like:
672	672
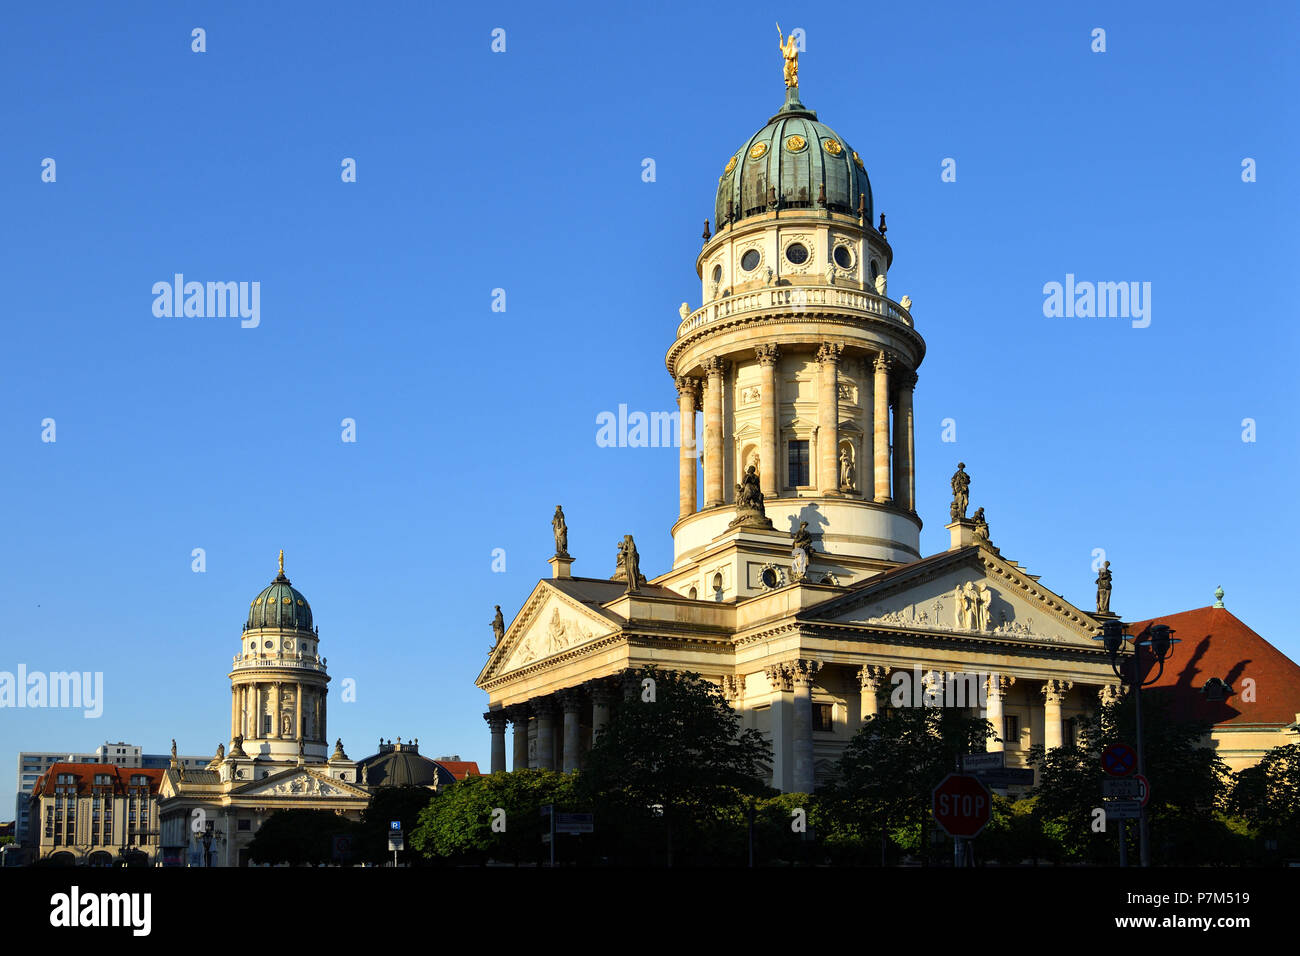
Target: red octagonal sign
961	805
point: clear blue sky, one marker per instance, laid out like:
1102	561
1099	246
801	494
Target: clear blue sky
522	171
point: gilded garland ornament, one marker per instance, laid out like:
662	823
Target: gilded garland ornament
795	143
833	147
858	159
731	165
758	151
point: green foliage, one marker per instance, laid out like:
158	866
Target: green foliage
1266	798
370	842
1188	782
673	767
457	825
298	837
887	775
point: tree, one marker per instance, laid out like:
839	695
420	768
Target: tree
1188	783
402	804
672	758
888	772
1267	796
298	836
497	816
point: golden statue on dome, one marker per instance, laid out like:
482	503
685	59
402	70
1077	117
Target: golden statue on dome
790	50
282	560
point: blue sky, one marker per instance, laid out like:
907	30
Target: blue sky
522	170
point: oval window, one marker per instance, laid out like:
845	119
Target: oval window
875	270
749	261
797	253
717	273
843	258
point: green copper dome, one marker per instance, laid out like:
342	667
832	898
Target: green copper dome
808	164
280	605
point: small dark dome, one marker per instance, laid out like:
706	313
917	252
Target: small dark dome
799	157
280	605
401	765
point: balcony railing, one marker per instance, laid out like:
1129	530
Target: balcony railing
306	663
796	298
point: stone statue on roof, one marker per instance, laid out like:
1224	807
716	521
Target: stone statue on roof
561	531
960	492
1103	589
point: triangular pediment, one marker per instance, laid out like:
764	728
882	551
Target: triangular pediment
551	623
298	783
966	592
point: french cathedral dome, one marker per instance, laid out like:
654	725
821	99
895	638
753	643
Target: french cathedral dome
798	157
280	605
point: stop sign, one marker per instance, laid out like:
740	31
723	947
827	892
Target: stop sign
961	805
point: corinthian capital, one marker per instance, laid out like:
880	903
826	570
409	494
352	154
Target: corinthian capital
780	676
883	364
1054	690
767	354
872	676
733	687
997	685
804	672
686	385
715	366
830	352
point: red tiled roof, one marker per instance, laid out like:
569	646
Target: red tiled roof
86	773
1215	643
460	769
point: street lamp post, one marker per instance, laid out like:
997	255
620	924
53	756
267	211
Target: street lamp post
1155	637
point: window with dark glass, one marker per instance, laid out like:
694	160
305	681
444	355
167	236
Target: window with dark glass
799	463
749	261
823	717
797	253
1011	730
843	258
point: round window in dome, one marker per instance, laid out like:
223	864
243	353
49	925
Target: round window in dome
717	273
797	253
843	258
750	260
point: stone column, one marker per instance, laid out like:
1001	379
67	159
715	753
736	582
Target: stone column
871	678
1053	697
780	676
880	432
321	732
496	721
297	707
904	463
234	710
518	716
1109	694
544	711
714	493
996	686
828	420
571	703
602	700
803	674
275	723
866	402
687	499
769	466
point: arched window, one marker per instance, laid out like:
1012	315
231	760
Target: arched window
693	594
717	587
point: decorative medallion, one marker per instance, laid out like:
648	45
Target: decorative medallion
758	151
731	164
285	601
795	143
858	159
833	147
